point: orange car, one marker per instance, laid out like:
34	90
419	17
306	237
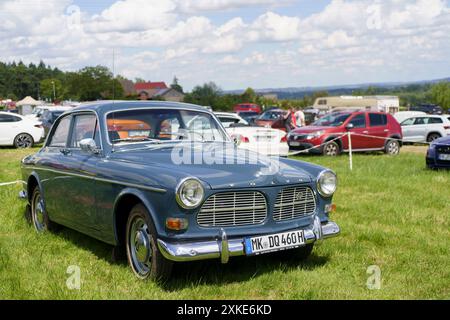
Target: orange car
129	128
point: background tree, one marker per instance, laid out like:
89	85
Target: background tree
176	86
46	90
205	95
440	94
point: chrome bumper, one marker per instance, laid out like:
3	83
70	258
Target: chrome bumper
224	248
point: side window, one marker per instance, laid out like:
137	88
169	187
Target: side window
420	121
359	121
84	128
9	118
408	122
377	119
435	120
61	133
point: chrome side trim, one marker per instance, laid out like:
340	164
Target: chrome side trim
128	184
223	248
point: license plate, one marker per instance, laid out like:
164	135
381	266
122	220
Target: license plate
264	138
274	242
294	144
136	133
445	157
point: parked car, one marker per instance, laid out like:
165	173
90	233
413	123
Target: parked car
272	119
132	194
267	141
249	116
425	128
382	130
18	131
243	107
438	154
38	112
229	119
428	108
49	116
403	115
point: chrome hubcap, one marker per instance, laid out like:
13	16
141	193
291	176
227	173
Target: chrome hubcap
24	141
38	213
140	247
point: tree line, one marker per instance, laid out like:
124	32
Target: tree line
18	80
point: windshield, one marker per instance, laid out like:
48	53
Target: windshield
163	125
332	120
271	115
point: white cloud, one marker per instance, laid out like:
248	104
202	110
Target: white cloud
159	38
195	6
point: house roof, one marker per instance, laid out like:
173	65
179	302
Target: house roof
150	86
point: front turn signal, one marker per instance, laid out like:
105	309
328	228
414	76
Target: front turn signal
177	224
330	208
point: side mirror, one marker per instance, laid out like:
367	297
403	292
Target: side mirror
89	146
349	127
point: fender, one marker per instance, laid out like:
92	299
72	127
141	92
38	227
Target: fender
143	198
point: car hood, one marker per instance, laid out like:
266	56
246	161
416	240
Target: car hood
444	140
310	129
241	168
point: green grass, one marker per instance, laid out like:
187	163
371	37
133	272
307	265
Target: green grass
393	213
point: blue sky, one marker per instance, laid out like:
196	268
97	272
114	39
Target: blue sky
235	43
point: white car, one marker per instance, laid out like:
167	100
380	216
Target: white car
267	141
403	115
425	128
19	131
229	119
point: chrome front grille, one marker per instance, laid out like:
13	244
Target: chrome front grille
294	202
229	209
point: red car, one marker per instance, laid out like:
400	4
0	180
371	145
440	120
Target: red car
380	126
244	107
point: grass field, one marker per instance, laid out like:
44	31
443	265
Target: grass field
393	213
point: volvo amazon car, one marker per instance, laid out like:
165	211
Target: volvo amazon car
164	183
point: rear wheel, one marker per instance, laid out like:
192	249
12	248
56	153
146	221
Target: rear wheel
143	255
331	149
433	136
392	147
39	216
23	140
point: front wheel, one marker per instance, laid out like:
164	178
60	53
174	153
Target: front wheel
392	148
23	141
143	255
331	149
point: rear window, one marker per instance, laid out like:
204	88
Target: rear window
435	120
377	120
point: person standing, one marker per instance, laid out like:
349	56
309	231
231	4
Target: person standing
300	118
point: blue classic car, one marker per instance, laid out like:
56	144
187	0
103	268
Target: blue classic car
164	183
438	155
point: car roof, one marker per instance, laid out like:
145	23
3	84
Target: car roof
108	106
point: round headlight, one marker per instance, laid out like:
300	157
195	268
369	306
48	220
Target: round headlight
189	193
327	183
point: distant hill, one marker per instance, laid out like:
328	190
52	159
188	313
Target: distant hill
300	92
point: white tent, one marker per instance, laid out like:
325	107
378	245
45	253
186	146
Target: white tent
27	105
28	101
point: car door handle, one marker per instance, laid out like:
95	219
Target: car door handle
365	132
65	151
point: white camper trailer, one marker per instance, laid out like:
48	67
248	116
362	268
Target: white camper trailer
388	104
